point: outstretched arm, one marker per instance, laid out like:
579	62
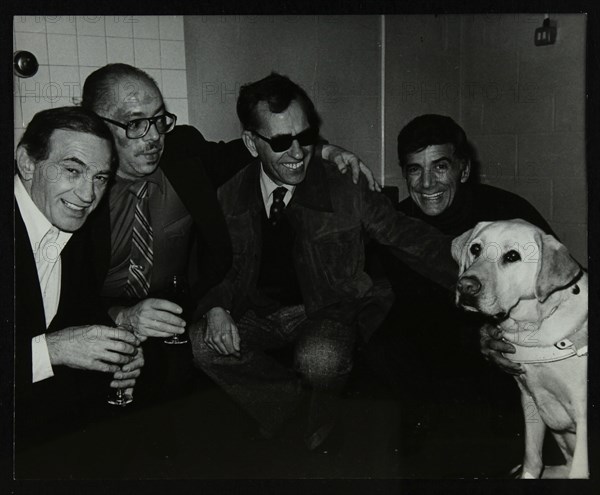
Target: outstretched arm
419	245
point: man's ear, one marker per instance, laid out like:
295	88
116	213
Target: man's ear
248	139
25	164
465	171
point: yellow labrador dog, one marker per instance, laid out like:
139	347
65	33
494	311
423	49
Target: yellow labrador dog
538	296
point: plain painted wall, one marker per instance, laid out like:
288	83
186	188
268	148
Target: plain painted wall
336	59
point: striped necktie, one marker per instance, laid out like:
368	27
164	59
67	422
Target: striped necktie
140	260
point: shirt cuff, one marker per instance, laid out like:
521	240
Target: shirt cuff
41	367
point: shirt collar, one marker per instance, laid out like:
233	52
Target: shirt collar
267	186
312	193
36	223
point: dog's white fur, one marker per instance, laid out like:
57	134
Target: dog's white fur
538	306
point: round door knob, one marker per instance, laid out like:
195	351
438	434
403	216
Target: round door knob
25	64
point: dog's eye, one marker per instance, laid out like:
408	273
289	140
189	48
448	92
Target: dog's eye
511	256
475	249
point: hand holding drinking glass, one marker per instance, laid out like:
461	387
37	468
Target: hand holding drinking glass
124	379
178	293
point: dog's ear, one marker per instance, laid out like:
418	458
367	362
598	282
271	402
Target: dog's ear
458	249
556	267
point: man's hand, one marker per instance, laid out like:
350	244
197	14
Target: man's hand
344	159
125	378
492	346
92	347
221	333
151	318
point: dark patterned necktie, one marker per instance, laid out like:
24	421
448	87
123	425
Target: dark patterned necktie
278	206
140	260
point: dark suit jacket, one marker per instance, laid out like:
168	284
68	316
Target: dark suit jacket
195	167
62	402
332	217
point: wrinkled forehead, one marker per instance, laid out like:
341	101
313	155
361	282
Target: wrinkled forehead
128	94
430	153
84	149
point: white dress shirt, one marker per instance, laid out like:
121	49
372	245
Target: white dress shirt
267	186
47	242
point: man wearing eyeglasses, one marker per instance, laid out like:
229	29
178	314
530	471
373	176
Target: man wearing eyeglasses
298	230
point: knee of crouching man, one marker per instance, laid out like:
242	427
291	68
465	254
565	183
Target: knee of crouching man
201	352
320	362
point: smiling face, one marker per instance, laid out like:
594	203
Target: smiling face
70	182
433	175
287	167
135	98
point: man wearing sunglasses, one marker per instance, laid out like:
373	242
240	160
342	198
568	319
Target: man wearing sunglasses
298	230
161	212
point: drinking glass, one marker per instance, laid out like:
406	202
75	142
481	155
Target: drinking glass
120	398
178	293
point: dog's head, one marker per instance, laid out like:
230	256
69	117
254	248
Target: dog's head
501	263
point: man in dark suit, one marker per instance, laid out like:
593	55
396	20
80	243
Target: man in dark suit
65	343
178	171
297	280
162	219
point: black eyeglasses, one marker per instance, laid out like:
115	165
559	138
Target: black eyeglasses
285	141
138	128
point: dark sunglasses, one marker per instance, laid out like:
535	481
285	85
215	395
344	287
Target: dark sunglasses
138	128
284	142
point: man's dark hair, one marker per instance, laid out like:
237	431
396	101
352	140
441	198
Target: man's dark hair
429	129
101	84
278	91
36	138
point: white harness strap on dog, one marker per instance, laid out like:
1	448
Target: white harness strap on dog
575	345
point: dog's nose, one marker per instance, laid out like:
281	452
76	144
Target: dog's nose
468	286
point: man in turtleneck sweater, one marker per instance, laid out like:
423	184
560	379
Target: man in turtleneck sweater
455	408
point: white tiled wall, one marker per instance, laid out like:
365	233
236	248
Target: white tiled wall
69	48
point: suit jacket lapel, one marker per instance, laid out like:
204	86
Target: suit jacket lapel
30	318
249	195
28	292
